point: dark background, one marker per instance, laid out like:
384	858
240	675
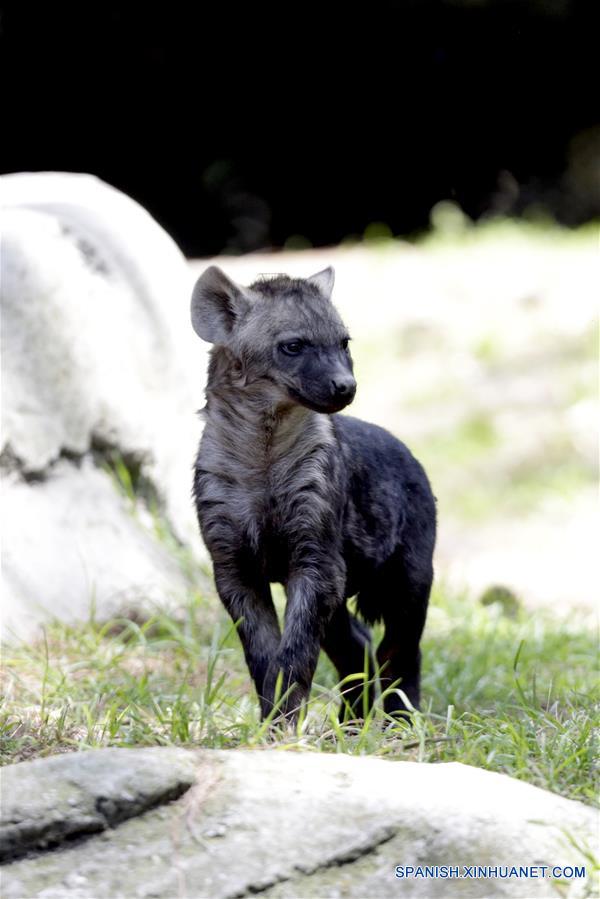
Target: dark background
239	126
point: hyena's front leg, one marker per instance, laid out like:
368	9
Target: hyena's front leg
247	598
312	597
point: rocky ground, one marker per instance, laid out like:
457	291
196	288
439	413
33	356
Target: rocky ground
109	824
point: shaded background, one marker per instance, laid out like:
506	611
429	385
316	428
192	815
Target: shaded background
247	128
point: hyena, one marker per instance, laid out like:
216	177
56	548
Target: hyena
289	492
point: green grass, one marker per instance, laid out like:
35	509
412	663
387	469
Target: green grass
504	690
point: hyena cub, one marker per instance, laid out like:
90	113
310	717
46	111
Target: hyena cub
287	491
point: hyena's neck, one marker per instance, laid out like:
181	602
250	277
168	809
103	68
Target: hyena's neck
250	428
247	432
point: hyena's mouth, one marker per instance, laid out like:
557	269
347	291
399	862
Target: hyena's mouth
327	408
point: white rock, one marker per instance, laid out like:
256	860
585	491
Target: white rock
307	824
97	350
74	544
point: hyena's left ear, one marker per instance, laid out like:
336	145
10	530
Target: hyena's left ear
217	302
323	281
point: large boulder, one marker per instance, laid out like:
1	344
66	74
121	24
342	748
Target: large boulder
282	824
99	365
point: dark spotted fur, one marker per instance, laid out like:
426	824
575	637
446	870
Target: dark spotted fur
288	491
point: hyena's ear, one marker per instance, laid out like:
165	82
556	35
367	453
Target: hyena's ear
217	302
323	281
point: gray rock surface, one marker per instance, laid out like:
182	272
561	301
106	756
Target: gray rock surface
47	801
72	538
97	357
290	825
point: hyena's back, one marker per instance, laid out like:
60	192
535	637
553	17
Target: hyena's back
390	517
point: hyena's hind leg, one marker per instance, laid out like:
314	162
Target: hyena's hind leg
399	594
347	642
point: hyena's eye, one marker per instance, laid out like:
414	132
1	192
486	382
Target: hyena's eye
345	343
293	348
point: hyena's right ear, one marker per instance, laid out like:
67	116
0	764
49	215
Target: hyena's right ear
217	302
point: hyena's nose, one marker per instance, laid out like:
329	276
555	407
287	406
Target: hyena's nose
344	387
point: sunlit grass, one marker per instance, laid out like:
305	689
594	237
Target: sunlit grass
512	692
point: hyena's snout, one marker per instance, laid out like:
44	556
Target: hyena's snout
343	390
325	385
338	379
